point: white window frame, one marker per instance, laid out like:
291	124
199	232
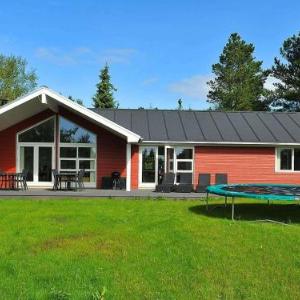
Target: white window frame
77	158
175	160
36	146
277	160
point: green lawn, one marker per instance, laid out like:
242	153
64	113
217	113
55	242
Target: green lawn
147	249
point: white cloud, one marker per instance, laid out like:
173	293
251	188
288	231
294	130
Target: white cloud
269	83
194	87
120	55
149	81
85	55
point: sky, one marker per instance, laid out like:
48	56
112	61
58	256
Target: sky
158	51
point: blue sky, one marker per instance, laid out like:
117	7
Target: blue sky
158	51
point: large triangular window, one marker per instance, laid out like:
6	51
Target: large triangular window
72	133
41	133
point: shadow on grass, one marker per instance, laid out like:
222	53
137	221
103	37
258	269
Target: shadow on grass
287	213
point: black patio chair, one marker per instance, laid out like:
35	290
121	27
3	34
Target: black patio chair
56	180
115	177
185	183
203	182
167	184
222	178
21	180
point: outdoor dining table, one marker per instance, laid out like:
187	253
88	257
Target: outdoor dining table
67	178
9	181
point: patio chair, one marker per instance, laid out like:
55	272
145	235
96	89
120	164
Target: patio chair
185	183
56	180
21	180
203	182
167	184
115	177
222	178
80	177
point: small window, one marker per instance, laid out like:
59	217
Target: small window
184	166
86	152
68	152
286	159
68	164
297	159
182	153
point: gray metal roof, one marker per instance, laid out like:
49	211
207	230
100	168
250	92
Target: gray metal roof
208	126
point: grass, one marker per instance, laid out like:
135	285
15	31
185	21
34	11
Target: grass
147	249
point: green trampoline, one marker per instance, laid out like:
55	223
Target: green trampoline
280	192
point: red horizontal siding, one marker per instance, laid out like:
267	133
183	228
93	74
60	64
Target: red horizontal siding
243	165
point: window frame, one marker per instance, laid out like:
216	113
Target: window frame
278	162
77	158
175	160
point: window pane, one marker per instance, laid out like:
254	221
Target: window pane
87	164
184	166
68	164
297	159
86	152
285	159
68	152
72	133
42	133
148	165
45	164
89	177
182	153
27	160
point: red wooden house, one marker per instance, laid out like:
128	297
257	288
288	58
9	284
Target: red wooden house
44	130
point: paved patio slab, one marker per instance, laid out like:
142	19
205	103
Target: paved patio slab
94	193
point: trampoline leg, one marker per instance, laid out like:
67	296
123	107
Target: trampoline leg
225	201
232	209
268	202
206	201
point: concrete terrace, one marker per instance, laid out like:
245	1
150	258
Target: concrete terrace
94	193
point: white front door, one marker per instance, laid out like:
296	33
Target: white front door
38	160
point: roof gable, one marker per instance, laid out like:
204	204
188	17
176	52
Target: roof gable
45	98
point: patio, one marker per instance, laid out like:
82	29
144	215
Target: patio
95	193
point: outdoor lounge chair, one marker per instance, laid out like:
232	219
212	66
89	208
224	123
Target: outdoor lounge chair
221	178
185	183
203	182
167	184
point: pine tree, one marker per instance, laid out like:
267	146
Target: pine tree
239	78
287	90
104	95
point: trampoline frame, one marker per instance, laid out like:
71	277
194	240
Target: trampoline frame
218	190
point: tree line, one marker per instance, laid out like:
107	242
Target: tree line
238	83
239	79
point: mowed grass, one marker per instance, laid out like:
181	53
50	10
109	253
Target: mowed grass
147	249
